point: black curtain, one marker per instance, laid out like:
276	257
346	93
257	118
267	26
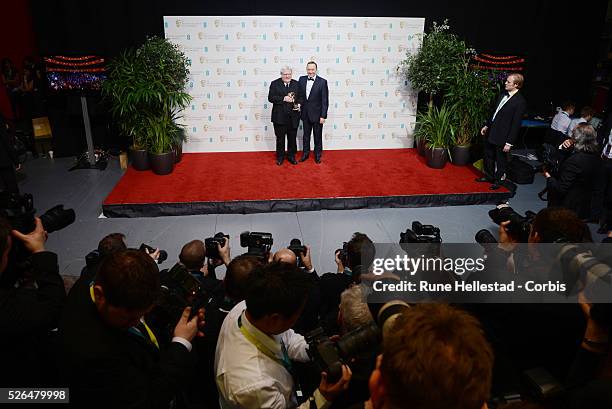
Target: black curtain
560	39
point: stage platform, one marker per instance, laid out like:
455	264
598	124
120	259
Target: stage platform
251	182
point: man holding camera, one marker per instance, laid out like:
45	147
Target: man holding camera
30	307
256	346
286	100
110	356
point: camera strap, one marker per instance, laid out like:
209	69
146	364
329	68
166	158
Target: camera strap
139	330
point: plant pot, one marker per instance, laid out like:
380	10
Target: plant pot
178	153
436	157
461	155
421	146
140	159
162	163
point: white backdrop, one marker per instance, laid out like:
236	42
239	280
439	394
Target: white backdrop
234	59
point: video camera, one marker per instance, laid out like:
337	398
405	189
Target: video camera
519	227
421	233
179	290
212	245
329	356
163	254
258	244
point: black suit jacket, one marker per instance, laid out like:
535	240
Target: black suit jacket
505	128
282	112
112	368
580	177
317	103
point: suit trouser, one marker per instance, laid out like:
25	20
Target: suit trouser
281	131
495	161
317	129
9	179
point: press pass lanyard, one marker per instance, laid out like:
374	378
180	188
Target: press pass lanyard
285	361
133	330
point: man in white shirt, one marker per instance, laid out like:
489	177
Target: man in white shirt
256	347
586	114
561	121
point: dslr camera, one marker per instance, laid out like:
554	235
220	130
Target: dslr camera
163	254
212	244
519	226
421	233
258	244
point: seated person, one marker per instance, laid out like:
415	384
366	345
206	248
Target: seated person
586	114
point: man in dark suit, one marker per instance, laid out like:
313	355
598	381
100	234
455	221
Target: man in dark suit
286	99
314	111
110	357
502	131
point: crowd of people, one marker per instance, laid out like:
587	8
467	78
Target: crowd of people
129	335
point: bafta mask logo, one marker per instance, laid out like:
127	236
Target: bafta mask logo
365	24
254	23
328	71
347	104
257	116
222	138
204	105
222	117
360	136
240	83
381	104
219	71
276	59
365	48
220	94
349	59
395	115
256	71
384	60
362	93
276	36
350	36
293	47
397	93
362	115
238	36
203	60
206	128
257	94
348	82
379	125
402	24
313	36
239	59
346	126
327	136
200	36
241	105
202	83
179	23
255	47
386	36
330	23
329	47
364	70
383	82
292	23
219	47
217	23
258	138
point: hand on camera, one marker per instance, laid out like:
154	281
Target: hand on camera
330	391
506	242
306	260
224	252
154	255
190	328
34	241
568	143
339	262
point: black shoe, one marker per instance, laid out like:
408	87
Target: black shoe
304	157
279	162
483	179
494	186
292	161
317	159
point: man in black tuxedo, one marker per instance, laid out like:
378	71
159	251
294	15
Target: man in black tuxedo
314	111
502	130
110	357
286	99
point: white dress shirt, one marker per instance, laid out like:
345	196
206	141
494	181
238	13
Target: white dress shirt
309	85
248	378
574	123
561	122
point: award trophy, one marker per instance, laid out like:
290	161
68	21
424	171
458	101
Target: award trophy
296	107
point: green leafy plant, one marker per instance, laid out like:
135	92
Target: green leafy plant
434	65
436	126
146	90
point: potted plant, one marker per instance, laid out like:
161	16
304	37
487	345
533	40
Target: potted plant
436	126
179	138
153	97
470	94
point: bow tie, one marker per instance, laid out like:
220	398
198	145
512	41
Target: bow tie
310	79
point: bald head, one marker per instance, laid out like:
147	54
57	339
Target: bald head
285	256
193	255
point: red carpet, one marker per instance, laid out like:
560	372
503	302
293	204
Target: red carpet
249	182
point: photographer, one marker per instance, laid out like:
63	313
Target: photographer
30	306
193	258
580	176
256	345
110	356
109	245
435	356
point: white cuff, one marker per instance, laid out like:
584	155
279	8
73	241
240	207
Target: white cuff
320	401
183	341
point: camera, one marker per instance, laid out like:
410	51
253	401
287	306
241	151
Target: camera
484	237
258	244
421	233
163	254
19	211
179	289
343	253
551	159
296	246
519	227
212	245
329	356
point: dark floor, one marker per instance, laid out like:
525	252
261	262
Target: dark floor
84	190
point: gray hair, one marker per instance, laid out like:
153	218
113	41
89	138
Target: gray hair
286	68
585	138
354	309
